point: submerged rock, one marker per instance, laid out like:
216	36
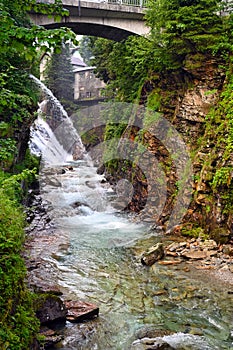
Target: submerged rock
151	344
152	255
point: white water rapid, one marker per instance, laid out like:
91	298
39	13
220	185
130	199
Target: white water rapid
98	260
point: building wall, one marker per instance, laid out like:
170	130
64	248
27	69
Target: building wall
87	85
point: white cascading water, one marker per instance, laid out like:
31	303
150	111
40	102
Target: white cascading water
53	133
44	143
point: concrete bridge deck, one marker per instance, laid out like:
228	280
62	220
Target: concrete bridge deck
114	21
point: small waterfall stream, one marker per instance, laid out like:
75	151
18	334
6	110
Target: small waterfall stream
100	264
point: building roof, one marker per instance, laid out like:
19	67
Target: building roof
76	61
83	69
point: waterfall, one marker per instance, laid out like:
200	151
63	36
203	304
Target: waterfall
53	135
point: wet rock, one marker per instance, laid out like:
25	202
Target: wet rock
79	310
61	171
70	168
151	344
176	247
170	262
50	308
77	153
208	244
227	249
50	337
151	332
152	255
40	286
77	204
53	181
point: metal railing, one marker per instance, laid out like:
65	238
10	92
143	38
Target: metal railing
138	3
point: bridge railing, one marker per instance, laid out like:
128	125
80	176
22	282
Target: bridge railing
138	3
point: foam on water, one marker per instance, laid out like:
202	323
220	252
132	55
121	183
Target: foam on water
45	144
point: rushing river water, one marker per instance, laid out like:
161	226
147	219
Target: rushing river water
100	262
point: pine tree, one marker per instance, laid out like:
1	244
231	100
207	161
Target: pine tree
59	75
185	26
86	49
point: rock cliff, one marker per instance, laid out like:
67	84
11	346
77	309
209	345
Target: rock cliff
191	100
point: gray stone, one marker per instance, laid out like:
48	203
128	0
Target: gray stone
194	254
152	255
50	308
151	344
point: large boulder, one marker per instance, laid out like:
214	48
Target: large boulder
50	308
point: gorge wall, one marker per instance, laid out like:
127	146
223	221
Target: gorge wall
194	99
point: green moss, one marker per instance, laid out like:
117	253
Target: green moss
222	177
195	232
154	100
18	325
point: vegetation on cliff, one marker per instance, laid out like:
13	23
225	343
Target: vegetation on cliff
21	45
188	53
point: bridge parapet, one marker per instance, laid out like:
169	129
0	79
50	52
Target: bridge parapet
137	3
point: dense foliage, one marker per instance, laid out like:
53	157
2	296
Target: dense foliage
18	325
21	45
178	28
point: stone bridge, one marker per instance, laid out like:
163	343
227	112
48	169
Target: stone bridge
114	20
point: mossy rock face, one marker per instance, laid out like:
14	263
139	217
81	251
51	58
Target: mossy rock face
220	234
50	308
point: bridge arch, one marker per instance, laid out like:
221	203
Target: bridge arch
110	21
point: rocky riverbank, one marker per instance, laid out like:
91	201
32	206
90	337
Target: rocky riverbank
202	258
44	242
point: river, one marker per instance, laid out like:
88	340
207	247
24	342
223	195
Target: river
100	262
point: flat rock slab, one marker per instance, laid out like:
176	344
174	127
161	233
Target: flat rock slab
78	311
194	254
170	262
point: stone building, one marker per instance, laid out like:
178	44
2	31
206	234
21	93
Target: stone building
86	85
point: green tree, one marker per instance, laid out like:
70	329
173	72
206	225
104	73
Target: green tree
178	28
85	49
122	65
59	75
21	43
185	26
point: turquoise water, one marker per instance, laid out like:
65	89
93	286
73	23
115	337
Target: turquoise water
102	265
